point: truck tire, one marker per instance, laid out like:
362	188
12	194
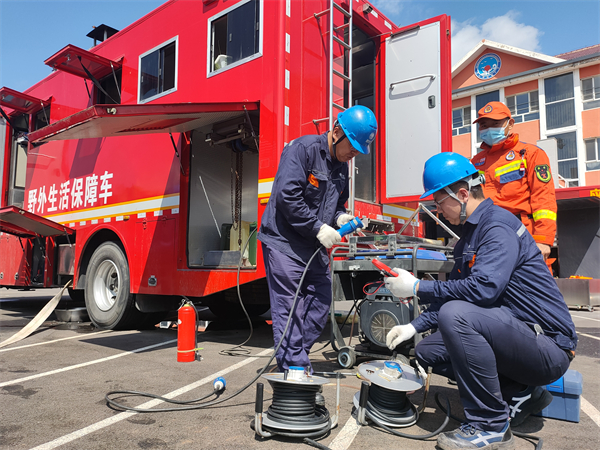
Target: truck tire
109	302
77	295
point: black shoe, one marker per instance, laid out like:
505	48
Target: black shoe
531	401
469	437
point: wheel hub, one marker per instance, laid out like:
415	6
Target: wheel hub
106	285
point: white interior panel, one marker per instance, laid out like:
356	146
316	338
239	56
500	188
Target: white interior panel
413	128
550	146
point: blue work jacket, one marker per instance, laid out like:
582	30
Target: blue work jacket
310	189
498	264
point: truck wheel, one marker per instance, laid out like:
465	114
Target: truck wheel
108	300
346	357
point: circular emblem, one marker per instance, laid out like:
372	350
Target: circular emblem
488	109
510	156
487	66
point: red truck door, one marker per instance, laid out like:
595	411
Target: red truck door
418	105
29	257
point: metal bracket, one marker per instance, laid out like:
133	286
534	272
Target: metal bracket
421	207
176	152
352	246
392	245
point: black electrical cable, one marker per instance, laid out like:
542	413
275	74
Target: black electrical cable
294	404
391	406
315	444
238	350
411	436
114	404
525	436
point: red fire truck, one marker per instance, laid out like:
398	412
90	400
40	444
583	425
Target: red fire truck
139	168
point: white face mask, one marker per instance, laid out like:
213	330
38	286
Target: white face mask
492	136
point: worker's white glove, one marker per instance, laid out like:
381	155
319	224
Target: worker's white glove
399	334
402	286
328	236
343	219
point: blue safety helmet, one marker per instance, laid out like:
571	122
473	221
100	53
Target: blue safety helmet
446	168
359	126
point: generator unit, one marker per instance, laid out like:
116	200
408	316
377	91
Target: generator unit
379	313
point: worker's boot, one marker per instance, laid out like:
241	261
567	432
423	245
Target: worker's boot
469	437
530	401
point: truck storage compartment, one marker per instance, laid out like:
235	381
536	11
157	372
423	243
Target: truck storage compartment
223	201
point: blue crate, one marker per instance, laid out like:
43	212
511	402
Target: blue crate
566	402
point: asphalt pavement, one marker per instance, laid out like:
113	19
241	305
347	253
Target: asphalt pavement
53	386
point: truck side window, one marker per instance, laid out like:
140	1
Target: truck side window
235	35
157	75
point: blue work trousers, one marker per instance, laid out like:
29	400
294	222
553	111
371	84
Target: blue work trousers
312	306
492	356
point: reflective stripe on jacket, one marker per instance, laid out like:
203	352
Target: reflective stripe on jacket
518	178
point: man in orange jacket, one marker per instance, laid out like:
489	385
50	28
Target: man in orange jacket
517	174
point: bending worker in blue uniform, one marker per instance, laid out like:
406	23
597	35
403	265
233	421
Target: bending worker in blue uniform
307	201
504	329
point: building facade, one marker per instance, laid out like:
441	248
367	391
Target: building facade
549	97
555	101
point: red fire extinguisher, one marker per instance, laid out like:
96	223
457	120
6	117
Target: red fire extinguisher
186	333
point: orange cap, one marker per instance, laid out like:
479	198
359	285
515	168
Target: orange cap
493	110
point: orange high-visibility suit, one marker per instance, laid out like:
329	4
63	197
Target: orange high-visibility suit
518	178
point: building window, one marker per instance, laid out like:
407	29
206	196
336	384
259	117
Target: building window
234	35
560	101
461	120
592	151
524	107
590	92
567	157
158	71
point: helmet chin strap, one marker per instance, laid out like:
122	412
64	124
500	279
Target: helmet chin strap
463	205
334	143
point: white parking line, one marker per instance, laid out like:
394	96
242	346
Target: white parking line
589	409
89	363
589	335
346	435
583	317
124	415
81	336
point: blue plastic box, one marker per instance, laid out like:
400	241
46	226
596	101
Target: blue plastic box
566	402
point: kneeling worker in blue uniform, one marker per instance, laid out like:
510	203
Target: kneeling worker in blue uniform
307	201
504	329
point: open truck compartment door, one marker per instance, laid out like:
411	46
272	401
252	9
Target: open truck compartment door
21	102
124	120
418	105
24	224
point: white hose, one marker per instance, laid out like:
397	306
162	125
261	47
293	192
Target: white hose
37	320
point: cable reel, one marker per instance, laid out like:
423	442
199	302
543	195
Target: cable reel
385	399
296	410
